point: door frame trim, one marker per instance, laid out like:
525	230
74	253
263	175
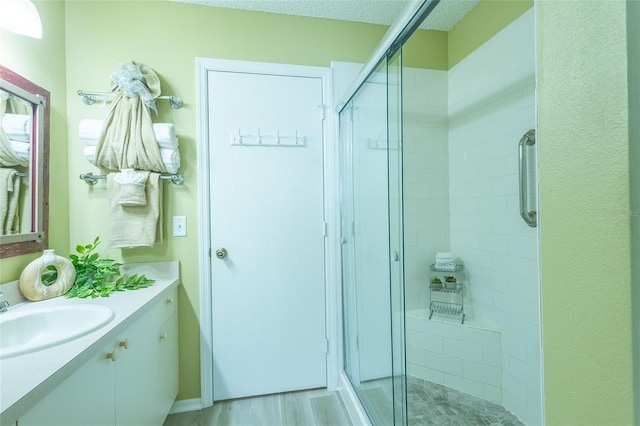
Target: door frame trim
332	274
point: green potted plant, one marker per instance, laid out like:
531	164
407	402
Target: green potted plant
450	282
436	282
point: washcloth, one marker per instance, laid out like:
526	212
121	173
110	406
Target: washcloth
127	140
132	187
139	226
17	127
9	196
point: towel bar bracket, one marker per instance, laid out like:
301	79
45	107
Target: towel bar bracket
92	178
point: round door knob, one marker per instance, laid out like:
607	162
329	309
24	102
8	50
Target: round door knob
221	253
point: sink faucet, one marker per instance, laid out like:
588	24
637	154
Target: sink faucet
4	305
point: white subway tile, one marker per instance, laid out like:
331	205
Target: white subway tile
464	385
463	350
481	337
482	373
426	341
425	373
443	329
492	393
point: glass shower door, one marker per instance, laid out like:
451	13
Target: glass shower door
372	272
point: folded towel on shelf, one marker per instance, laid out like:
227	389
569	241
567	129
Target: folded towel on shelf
89	130
445	266
17	127
139	226
9	197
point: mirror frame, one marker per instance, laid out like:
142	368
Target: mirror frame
37	238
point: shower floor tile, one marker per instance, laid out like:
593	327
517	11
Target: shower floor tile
433	404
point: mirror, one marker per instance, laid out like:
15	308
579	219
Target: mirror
24	165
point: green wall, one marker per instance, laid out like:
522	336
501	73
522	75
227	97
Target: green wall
43	62
583	129
633	36
487	19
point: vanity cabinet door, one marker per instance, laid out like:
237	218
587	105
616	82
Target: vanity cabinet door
87	397
135	374
167	372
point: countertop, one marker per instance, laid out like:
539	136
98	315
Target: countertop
27	378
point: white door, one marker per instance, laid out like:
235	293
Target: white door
267	215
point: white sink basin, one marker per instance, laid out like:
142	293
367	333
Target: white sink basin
32	329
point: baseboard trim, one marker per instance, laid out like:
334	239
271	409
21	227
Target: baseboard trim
186	405
354	407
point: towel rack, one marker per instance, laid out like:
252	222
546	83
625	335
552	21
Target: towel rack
92	178
89	98
22	174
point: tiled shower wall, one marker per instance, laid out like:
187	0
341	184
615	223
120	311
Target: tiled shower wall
491	105
426	178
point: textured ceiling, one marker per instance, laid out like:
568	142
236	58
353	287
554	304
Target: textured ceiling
443	18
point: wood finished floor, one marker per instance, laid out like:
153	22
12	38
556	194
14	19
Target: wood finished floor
317	407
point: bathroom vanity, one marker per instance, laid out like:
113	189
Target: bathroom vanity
124	373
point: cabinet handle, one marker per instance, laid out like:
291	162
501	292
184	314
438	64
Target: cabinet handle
113	356
124	343
164	336
170	301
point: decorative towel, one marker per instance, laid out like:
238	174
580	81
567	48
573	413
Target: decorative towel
132	187
127	140
22	149
9	195
139	226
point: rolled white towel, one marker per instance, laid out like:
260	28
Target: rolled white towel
165	135
90	154
171	159
17	127
20	148
89	130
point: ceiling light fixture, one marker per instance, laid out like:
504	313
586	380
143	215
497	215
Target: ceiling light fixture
20	17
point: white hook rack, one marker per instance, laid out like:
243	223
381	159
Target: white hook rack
262	139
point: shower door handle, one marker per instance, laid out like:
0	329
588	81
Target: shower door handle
529	216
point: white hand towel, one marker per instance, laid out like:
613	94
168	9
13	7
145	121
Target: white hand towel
171	159
17	127
89	130
90	154
165	135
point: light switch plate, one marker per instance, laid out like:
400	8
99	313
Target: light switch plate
179	226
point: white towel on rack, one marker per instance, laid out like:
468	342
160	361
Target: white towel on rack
89	130
170	158
22	149
166	135
17	127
